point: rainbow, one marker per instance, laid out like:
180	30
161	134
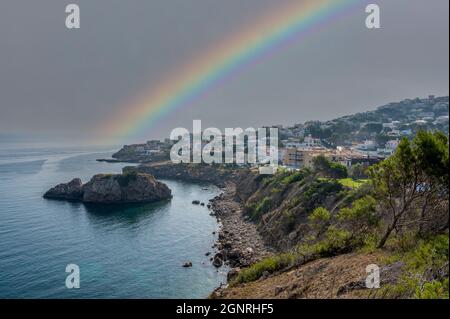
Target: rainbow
271	31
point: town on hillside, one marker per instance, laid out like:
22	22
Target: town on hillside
360	139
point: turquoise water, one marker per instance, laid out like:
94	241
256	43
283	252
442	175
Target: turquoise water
122	252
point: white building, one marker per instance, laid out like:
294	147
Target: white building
367	145
420	122
392	144
407	132
311	141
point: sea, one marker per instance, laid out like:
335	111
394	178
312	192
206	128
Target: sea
127	251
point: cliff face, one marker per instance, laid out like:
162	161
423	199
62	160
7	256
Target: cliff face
280	204
118	188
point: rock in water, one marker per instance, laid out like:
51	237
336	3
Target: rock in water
68	191
217	260
110	189
125	188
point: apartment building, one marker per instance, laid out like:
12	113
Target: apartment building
304	157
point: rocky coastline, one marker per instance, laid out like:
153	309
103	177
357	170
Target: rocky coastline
217	175
239	243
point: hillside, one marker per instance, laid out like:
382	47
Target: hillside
404	118
322	225
335	277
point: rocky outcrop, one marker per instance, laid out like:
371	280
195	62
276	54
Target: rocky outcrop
110	189
68	191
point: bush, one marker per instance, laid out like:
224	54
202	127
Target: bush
257	210
430	254
319	218
433	290
292	178
328	168
424	261
320	214
289	218
269	264
358	171
361	214
321	188
336	241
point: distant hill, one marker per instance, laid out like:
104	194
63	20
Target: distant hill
389	121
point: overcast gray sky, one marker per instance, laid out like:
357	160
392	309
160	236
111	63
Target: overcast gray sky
63	83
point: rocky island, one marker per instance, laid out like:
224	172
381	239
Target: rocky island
130	187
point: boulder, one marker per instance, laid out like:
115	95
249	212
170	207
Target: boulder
278	290
234	254
68	191
217	260
248	251
112	188
125	188
232	273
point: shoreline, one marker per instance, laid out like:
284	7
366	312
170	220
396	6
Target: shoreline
239	244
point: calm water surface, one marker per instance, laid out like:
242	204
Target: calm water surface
122	252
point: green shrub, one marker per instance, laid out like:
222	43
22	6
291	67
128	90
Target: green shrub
257	210
411	286
433	290
321	188
289	218
320	214
328	168
292	178
319	218
295	202
429	254
361	213
269	264
428	257
276	190
336	241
